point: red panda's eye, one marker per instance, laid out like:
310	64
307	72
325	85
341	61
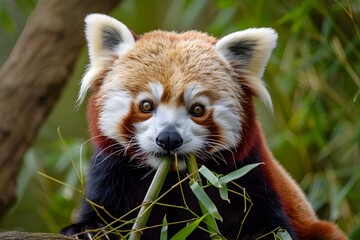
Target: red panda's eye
146	106
197	110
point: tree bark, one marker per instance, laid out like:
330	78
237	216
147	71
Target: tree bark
33	77
32	236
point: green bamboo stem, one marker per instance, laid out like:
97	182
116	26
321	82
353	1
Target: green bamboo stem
150	197
209	220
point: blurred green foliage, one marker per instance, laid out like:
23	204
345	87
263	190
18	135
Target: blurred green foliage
313	77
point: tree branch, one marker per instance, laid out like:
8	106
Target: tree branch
32	236
33	77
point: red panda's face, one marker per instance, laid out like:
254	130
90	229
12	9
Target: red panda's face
169	93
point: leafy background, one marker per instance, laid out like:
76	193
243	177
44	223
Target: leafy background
313	77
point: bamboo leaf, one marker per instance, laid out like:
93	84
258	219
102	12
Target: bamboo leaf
224	194
186	231
205	200
214	180
164	229
238	173
208	218
283	234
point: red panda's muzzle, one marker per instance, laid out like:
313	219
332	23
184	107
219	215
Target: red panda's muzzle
169	140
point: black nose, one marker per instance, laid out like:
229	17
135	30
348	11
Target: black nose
169	140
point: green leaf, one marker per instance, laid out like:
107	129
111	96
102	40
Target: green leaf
224	194
186	231
205	200
164	229
214	180
283	234
238	173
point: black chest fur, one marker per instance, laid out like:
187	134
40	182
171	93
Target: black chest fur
120	187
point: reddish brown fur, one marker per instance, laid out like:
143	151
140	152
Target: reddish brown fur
135	116
174	68
306	224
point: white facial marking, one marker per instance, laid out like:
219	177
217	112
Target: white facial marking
157	90
155	94
115	107
226	115
191	91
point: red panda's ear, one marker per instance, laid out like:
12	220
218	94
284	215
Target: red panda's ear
250	50
106	38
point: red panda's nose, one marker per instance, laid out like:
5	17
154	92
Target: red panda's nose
169	140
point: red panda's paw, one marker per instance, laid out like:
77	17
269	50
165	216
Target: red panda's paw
88	232
323	230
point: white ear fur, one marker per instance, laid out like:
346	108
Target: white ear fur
250	49
106	37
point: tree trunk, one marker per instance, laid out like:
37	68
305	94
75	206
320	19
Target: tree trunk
32	236
33	77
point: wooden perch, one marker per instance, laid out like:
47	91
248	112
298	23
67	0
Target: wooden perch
32	236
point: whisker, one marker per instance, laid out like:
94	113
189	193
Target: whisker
148	173
107	157
103	150
214	144
129	145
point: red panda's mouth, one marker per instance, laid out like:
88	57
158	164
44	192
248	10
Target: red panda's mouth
160	155
174	156
179	161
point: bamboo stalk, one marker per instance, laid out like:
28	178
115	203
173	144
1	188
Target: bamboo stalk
150	197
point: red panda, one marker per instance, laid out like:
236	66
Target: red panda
185	93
